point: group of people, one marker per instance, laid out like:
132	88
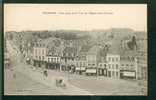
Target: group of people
59	81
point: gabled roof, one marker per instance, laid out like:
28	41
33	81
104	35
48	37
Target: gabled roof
70	50
44	42
114	48
49	41
94	50
85	48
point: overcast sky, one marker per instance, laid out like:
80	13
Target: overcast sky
19	17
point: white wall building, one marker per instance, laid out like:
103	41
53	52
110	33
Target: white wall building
81	65
53	59
113	64
39	53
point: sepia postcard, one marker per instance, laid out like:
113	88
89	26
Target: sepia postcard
75	49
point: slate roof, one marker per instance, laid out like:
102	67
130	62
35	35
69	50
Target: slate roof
70	50
85	48
94	50
44	42
115	47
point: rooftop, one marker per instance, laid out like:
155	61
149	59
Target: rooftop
85	48
94	50
115	47
70	50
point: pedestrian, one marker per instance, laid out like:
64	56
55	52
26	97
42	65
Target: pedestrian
45	74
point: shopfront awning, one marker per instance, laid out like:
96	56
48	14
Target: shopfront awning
83	68
129	74
91	71
80	68
77	68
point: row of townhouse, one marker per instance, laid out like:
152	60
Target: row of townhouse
114	66
111	65
117	66
53	58
88	61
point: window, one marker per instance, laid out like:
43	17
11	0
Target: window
112	59
80	64
101	65
69	54
36	57
64	54
77	64
54	59
112	66
38	51
109	59
116	73
116	66
39	57
116	59
43	52
42	57
35	51
72	59
132	58
109	66
113	73
83	63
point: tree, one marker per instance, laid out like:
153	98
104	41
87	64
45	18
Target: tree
132	44
57	42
